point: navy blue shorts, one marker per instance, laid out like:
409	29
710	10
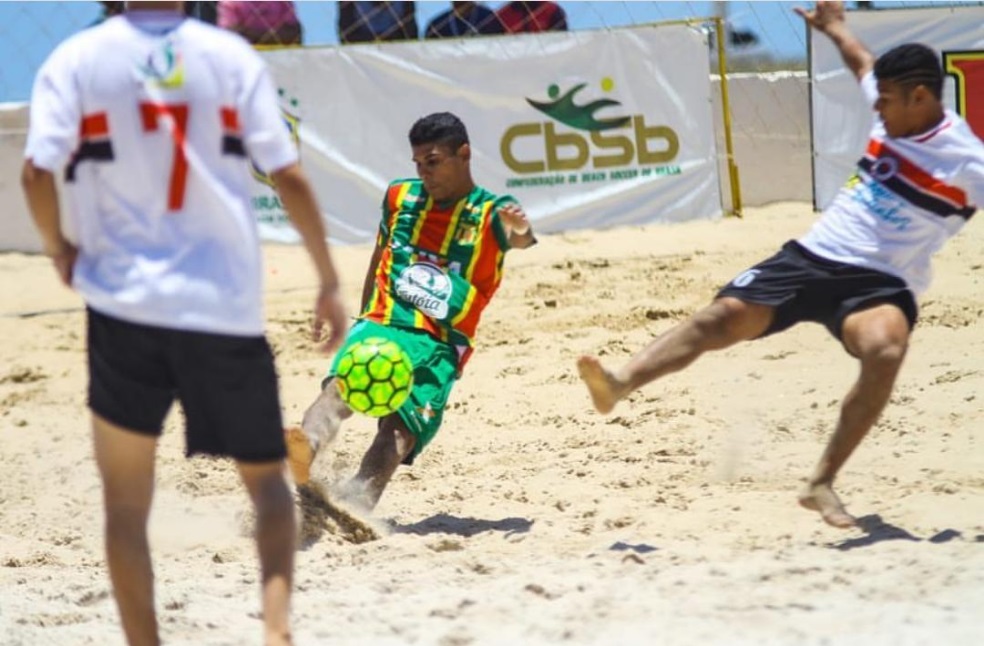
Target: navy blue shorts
227	386
802	286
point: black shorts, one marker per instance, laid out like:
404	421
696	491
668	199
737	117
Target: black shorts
802	286
227	386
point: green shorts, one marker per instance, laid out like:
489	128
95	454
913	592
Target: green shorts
435	369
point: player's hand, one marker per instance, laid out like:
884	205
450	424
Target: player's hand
328	308
825	15
515	219
64	261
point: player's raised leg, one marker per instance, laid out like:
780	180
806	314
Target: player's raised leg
724	322
275	542
126	465
879	337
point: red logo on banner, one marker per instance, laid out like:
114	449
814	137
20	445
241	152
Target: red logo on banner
967	69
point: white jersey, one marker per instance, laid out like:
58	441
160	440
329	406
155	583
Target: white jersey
152	117
907	198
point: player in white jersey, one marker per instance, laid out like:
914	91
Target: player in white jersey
858	269
155	120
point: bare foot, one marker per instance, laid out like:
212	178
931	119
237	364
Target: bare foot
300	454
821	497
605	390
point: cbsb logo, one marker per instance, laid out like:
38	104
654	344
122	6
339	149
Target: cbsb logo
967	69
605	143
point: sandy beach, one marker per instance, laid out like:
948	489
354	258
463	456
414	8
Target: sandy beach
532	519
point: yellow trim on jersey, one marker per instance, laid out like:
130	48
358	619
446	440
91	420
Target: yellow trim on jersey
421	219
480	240
452	227
465	307
400	196
388	301
386	265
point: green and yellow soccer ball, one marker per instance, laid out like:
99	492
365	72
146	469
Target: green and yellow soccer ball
374	376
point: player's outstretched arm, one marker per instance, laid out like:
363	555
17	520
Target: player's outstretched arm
518	226
42	201
302	208
829	18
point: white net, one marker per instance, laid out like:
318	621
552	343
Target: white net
761	36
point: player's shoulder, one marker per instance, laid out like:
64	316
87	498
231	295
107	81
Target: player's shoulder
85	39
959	135
398	190
211	33
482	195
398	185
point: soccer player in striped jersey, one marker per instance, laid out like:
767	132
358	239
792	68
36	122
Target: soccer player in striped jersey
862	264
437	263
154	118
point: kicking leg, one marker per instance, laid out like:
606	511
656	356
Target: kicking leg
319	427
392	444
275	542
879	337
724	322
126	465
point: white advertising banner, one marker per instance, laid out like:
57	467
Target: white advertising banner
841	119
586	129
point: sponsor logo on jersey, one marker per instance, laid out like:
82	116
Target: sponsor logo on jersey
466	234
882	203
426	412
164	68
426	287
884	168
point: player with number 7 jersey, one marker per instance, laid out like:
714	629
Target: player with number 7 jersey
154	137
156	121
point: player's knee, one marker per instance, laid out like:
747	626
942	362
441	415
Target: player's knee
393	431
710	323
721	323
885	352
328	405
323	418
405	442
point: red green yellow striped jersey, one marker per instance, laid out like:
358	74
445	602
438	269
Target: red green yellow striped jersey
440	264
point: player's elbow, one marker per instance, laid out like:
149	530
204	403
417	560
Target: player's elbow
32	177
28	175
290	180
866	63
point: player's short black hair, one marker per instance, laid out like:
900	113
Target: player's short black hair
439	128
910	65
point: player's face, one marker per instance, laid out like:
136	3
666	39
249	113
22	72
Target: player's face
443	171
896	108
